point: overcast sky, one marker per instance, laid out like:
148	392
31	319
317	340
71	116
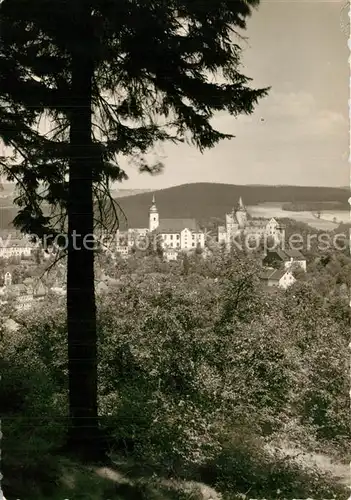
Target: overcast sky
299	49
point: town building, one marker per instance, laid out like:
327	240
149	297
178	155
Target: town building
104	283
11	247
23	294
280	278
173	235
180	234
285	258
170	254
58	290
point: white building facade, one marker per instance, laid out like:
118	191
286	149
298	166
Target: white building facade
172	235
15	248
181	235
280	278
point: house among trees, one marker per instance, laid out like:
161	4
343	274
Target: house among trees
284	258
280	278
170	254
22	293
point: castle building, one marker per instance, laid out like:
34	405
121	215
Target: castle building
238	222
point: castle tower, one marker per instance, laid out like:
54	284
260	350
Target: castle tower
231	223
241	214
153	216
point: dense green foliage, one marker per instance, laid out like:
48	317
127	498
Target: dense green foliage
112	79
198	372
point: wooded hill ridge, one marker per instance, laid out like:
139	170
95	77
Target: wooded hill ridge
205	200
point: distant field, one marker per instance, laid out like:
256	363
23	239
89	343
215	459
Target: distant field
315	206
325	222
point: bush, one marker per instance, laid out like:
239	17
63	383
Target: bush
245	467
196	375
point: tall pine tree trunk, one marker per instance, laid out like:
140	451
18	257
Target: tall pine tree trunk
83	436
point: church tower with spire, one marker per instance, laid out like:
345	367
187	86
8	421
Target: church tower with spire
153	216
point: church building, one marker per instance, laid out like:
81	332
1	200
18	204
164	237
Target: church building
175	234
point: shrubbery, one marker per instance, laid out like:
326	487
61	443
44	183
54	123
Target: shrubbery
196	374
